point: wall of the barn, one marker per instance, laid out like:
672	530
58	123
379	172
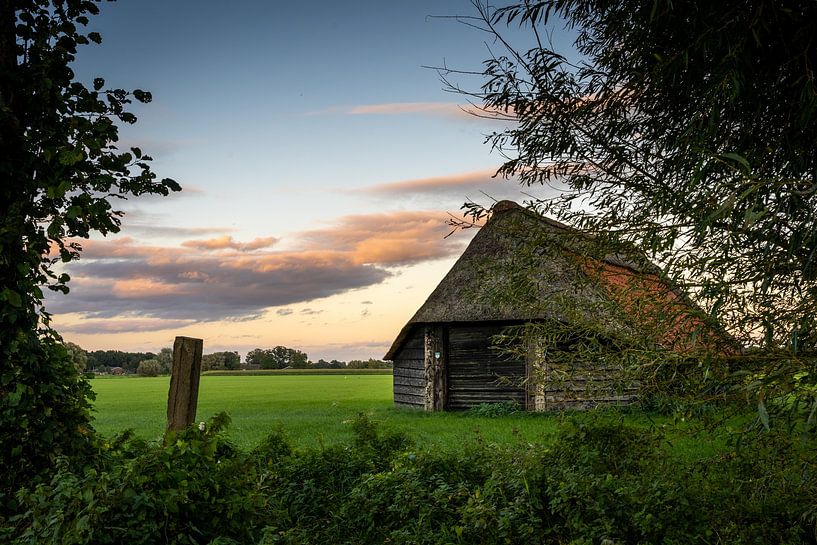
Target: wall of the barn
409	372
578	387
475	373
478	373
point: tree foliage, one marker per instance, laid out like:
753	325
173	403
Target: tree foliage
279	357
687	129
79	357
102	360
165	358
149	368
220	361
60	173
371	363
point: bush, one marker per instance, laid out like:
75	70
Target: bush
600	481
44	413
194	490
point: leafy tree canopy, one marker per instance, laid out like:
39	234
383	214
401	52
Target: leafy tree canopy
220	360
688	128
149	368
60	173
279	357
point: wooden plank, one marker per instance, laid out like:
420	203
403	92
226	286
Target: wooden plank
408	390
412	354
415	401
406	381
405	372
415	341
182	398
410	364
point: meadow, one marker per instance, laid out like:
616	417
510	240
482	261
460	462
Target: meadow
311	409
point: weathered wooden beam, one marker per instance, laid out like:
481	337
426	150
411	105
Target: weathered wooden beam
182	398
435	369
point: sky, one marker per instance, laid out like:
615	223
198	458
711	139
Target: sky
320	159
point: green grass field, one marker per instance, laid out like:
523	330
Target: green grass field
311	409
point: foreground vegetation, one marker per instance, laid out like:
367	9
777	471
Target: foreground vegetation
321	473
596	481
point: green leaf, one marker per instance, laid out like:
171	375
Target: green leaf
739	159
12	297
70	156
763	414
73	212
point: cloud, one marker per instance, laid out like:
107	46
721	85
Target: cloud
398	108
448	110
388	238
453	190
138	222
226	242
135	325
283	311
125	278
310	312
122	277
459	183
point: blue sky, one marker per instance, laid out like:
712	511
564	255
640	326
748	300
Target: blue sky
319	160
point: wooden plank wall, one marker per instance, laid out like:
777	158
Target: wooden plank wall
579	388
409	372
478	374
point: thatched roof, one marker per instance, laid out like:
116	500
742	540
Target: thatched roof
520	267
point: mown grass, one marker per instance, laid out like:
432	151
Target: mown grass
312	410
315	410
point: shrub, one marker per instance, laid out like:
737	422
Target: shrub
194	490
44	413
599	481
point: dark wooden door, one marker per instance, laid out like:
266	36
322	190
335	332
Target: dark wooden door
477	373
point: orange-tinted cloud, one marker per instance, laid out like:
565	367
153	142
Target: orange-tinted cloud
388	238
227	242
120	277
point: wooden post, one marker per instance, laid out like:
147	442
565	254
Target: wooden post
435	369
184	383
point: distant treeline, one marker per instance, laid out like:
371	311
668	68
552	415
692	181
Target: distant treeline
282	357
152	364
308	371
102	361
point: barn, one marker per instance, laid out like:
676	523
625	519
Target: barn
523	268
